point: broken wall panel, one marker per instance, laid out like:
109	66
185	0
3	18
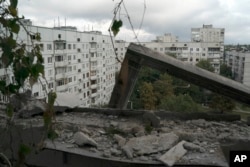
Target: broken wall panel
138	56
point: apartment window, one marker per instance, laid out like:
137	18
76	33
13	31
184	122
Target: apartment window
69	58
74	78
78	39
36	94
49	59
41	47
74	57
69	46
49	47
87	56
87	75
60	82
83	76
87	84
70	79
197	49
74	46
70	69
50	85
50	72
191	49
84	86
58	58
74	68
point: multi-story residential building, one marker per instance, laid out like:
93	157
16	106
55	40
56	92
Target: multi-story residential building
208	34
208	48
80	63
240	64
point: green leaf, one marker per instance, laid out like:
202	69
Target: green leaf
24	149
13	3
9	110
52	134
21	74
117	24
3	87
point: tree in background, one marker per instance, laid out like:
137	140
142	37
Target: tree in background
180	103
226	71
205	64
218	102
147	96
163	88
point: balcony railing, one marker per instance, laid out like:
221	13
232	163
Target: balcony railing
61	63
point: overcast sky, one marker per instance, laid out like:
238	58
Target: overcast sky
161	16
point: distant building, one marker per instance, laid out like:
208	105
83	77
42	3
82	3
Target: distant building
239	61
80	63
208	34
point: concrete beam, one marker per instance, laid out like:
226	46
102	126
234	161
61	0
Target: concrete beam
138	56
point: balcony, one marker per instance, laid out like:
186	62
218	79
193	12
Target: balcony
61	75
93	94
62	88
61	63
94	86
92	50
93	77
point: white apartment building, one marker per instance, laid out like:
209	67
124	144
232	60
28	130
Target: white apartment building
80	65
240	64
210	46
208	34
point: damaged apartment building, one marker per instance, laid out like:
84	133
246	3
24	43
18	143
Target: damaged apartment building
79	66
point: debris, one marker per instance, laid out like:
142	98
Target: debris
174	154
82	139
151	143
120	140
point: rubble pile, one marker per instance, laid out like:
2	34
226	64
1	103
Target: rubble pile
130	139
127	138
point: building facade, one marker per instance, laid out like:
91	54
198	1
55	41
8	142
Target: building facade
207	48
239	61
76	63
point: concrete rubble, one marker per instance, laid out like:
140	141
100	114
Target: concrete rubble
174	154
127	138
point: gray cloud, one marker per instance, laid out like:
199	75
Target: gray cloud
177	16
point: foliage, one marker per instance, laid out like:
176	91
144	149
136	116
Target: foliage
26	64
222	103
180	103
117	24
226	71
218	102
163	87
49	115
205	64
147	96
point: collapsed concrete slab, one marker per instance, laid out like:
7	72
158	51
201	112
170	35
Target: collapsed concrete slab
174	154
138	56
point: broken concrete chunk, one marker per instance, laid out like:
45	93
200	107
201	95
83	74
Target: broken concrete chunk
192	147
174	154
82	139
120	140
151	144
151	119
